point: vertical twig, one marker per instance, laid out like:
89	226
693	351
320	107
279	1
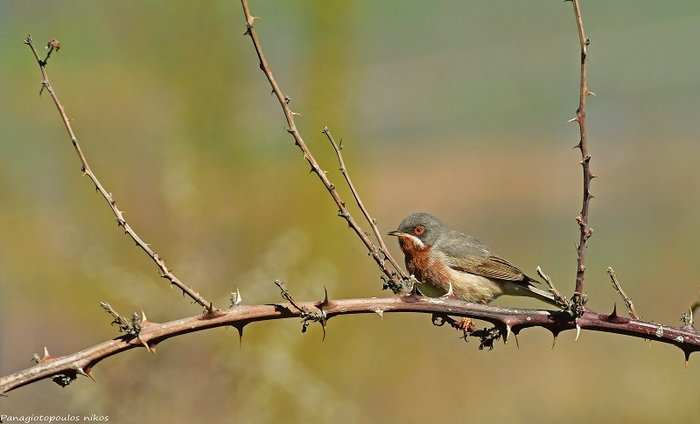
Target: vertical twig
119	215
578	298
695	306
371	221
292	129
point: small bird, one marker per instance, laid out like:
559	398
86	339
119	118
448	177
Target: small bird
444	260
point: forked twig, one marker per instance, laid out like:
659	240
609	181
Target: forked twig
371	221
119	215
307	317
292	129
578	298
618	288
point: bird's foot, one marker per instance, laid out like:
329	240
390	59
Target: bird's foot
466	325
450	293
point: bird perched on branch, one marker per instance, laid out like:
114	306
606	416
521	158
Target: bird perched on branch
446	261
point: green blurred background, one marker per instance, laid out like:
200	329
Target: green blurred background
456	108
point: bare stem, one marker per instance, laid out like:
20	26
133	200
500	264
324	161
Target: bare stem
85	167
578	298
618	288
695	306
356	195
64	369
561	300
292	129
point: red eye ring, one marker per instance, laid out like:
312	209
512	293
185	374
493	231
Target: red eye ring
419	230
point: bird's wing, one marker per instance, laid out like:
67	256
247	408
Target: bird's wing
489	267
467	254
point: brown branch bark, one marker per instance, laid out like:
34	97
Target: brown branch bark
578	299
379	257
85	167
64	369
618	288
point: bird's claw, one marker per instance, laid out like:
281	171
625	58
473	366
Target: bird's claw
450	292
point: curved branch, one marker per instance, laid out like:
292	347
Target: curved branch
64	369
118	214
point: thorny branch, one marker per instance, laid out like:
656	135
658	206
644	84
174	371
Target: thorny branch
380	256
127	327
307	317
579	297
371	221
85	167
65	368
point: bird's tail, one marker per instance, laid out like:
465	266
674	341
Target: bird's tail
529	289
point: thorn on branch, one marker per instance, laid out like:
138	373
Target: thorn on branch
240	327
62	379
578	331
555	334
44	358
236	298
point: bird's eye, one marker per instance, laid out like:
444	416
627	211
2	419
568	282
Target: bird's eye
419	230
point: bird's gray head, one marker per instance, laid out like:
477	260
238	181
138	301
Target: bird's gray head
423	228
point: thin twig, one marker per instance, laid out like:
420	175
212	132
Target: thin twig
286	295
121	221
307	317
66	368
578	298
371	221
688	318
129	328
292	129
618	288
561	300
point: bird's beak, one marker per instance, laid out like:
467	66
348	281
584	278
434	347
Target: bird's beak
395	233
